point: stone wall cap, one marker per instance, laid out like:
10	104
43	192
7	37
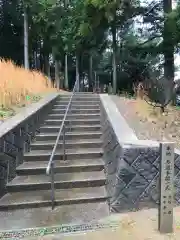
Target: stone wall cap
125	135
121	128
146	144
26	112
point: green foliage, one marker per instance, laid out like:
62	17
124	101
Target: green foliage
83	27
174	25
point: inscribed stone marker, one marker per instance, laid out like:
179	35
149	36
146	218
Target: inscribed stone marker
166	187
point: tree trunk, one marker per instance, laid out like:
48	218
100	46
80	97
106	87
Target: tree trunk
168	45
114	63
66	83
56	68
46	65
42	55
90	73
77	73
38	56
60	78
26	46
57	79
41	61
48	68
81	72
36	49
35	60
95	81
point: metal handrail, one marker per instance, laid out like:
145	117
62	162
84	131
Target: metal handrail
50	167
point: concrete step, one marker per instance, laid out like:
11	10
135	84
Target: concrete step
62	181
73	116
69	136
85	98
58	122
79	165
78	102
74	128
74	106
76	111
48	145
87	93
44	155
42	198
66	97
78	94
81	97
43	217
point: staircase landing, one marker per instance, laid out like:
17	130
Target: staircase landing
42	217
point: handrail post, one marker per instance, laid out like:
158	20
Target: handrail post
52	185
64	147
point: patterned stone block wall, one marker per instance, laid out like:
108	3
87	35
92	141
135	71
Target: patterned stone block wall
111	149
132	171
17	140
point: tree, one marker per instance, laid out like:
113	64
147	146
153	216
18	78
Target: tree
115	15
96	35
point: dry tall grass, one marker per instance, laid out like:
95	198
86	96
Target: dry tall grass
16	83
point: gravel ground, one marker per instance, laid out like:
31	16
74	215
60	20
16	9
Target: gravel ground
148	123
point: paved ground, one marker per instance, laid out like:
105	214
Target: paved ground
141	225
42	217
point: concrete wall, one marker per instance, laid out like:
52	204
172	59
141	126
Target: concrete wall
131	165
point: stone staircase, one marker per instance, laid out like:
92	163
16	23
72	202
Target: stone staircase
80	179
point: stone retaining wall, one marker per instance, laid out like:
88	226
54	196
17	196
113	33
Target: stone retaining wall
131	165
16	135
